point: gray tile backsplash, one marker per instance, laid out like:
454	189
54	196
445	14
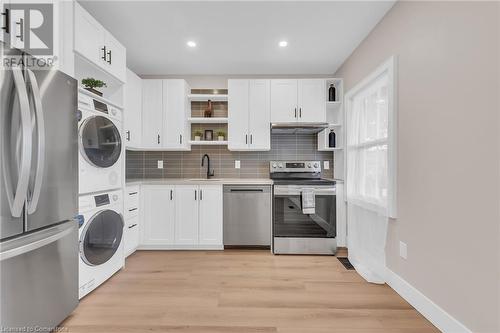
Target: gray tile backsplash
187	164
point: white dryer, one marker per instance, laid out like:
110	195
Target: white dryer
100	143
100	239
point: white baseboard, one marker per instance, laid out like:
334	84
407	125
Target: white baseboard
435	314
180	247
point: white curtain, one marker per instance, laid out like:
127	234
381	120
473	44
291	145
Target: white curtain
370	169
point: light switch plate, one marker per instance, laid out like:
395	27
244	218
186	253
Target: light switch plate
403	250
326	165
237	164
160	164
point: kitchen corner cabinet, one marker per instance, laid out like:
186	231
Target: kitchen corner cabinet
249	115
133	111
97	45
158	215
165	108
301	100
182	217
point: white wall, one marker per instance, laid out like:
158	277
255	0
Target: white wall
449	148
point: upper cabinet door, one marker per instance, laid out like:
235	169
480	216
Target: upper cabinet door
152	117
238	91
116	57
260	115
159	215
186	199
312	100
89	36
175	109
284	101
210	215
133	110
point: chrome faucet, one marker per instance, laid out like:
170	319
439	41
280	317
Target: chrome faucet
209	174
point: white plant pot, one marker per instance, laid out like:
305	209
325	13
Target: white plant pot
220	138
197	138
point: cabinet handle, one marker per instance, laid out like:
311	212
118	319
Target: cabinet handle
195	194
300	112
6	20
131	226
132	209
103	49
295	112
132	193
171	195
128	135
21	30
109	60
180	138
201	194
158	138
251	139
246	139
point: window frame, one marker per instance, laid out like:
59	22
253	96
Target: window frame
390	67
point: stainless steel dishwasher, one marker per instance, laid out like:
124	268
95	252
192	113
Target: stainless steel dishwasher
247	215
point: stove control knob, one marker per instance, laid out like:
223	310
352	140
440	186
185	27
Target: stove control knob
309	165
316	165
275	165
280	166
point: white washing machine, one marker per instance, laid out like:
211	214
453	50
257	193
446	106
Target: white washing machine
100	143
100	239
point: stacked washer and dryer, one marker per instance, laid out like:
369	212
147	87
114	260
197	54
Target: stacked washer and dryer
101	192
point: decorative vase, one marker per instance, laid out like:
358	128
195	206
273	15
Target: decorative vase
208	111
92	90
220	138
197	138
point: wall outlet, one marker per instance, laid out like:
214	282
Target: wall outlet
160	164
403	250
237	164
326	165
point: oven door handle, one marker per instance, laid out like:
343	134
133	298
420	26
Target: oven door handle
283	191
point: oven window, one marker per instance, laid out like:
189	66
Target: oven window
101	141
289	221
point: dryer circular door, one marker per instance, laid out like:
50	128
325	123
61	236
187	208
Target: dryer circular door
101	237
100	141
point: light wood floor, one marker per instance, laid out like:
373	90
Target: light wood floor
242	291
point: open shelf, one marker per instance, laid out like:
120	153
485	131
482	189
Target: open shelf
208	143
206	97
211	120
332	149
99	98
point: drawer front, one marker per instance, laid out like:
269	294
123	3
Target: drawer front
132	201
131	235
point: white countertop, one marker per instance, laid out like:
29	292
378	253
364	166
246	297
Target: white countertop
202	181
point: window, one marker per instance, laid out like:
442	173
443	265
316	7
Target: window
371	141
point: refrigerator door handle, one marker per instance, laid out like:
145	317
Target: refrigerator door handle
40	129
17	196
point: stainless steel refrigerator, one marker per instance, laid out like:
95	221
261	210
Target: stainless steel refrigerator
38	195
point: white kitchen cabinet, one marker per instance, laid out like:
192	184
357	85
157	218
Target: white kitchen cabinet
311	100
133	110
158	211
176	109
284	101
249	115
152	113
97	45
300	100
186	214
210	215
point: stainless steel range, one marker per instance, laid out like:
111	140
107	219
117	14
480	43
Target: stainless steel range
304	209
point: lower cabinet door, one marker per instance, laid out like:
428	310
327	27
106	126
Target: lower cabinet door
158	214
210	215
131	235
186	214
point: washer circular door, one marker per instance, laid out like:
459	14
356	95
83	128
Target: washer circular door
101	237
100	141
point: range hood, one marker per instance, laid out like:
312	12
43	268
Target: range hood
298	128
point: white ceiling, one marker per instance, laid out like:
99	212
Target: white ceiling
238	37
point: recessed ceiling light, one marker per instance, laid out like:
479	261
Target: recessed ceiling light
191	43
283	43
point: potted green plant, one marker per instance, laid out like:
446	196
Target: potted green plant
197	135
221	135
90	84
